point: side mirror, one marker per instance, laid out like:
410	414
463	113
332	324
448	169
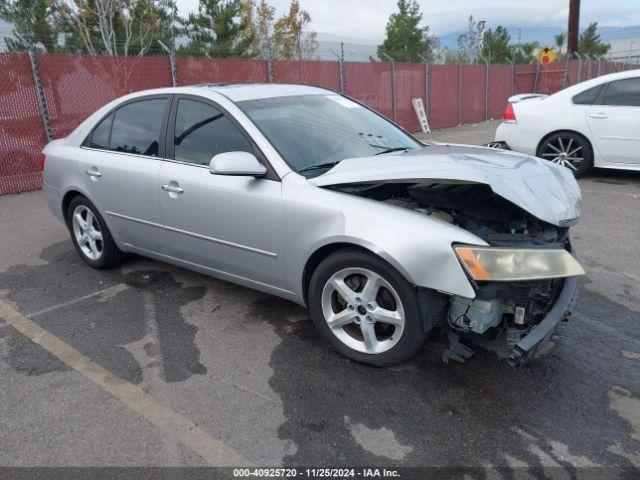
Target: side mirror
237	163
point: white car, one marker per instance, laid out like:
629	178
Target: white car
594	123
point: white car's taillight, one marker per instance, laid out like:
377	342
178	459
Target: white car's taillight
509	114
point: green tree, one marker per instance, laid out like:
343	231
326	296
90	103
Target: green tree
525	52
217	30
560	39
35	24
406	40
495	48
590	44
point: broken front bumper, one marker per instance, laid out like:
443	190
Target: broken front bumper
526	348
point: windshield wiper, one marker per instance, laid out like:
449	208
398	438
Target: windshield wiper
392	149
320	166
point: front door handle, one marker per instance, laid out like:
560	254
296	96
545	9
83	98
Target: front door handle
93	172
172	188
598	115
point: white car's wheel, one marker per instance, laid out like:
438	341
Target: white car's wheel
365	308
569	150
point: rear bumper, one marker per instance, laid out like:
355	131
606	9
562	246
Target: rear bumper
518	139
527	347
53	197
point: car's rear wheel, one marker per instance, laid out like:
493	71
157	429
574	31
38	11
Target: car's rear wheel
365	308
90	234
569	150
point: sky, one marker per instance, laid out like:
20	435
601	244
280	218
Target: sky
366	19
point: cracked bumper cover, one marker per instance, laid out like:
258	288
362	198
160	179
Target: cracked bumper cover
526	348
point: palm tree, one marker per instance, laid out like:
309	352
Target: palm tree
560	38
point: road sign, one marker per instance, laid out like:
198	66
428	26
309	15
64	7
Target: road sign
546	56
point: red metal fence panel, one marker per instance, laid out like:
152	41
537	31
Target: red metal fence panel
192	71
524	79
76	86
443	104
473	93
551	78
499	89
319	73
370	83
572	72
410	84
22	134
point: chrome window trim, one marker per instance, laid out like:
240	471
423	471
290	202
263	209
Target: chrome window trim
182	162
138	155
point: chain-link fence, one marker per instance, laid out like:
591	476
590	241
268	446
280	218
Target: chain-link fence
46	96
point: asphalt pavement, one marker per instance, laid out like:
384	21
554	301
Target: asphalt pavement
153	365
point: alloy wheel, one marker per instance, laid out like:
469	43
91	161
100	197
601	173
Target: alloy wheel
564	151
363	310
86	230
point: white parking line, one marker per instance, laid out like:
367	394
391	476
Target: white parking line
213	451
107	292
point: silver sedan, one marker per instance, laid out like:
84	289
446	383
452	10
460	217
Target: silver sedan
309	195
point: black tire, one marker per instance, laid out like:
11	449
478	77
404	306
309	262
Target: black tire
582	159
110	255
412	337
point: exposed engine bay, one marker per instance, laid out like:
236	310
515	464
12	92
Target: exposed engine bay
503	312
471	206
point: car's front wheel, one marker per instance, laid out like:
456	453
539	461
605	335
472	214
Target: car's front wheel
568	150
365	308
90	234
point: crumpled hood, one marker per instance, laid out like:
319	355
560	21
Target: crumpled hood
545	190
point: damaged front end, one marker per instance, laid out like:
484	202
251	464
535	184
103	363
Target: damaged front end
524	280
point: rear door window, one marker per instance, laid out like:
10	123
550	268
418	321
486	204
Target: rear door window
624	93
136	127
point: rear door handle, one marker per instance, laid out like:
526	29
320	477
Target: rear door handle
93	172
172	188
598	115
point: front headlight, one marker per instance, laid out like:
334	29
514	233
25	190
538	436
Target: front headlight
511	264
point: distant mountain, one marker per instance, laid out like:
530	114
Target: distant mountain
355	49
544	35
358	49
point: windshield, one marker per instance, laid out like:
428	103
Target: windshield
314	132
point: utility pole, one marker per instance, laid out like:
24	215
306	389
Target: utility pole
574	27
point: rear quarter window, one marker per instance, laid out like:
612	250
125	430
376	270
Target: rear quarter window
99	138
588	96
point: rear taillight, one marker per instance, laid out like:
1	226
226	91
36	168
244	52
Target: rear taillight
42	160
509	114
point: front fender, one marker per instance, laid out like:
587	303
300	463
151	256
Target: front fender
419	247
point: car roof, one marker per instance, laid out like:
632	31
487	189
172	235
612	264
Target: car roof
235	92
587	84
238	92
